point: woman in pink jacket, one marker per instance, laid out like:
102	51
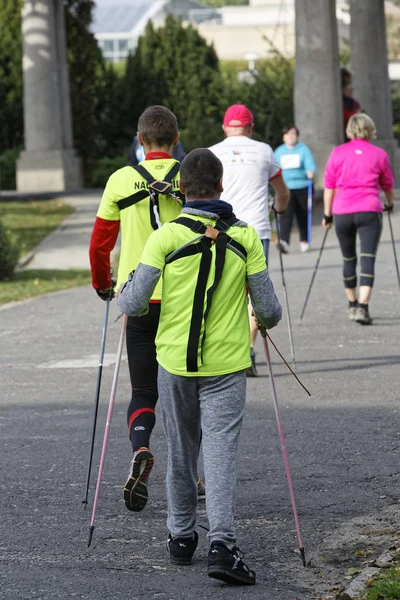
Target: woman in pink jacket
354	174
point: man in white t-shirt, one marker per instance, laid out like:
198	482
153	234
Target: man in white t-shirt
249	167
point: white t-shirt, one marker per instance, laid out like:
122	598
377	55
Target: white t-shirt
248	167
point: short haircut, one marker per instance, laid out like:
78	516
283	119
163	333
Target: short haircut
158	126
289	127
361	126
200	174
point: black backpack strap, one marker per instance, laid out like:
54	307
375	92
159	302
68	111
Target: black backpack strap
159	187
132	199
156	187
195	226
220	253
198	307
202	244
231	243
224	225
199	227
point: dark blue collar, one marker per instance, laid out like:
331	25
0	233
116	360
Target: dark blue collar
218	207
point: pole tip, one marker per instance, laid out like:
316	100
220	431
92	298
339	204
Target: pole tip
91	535
303	557
85	503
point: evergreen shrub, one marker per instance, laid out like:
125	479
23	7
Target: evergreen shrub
9	255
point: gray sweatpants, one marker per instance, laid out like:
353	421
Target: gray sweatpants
214	405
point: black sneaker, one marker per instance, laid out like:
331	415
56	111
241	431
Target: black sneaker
135	491
227	565
181	550
252	370
352	312
362	315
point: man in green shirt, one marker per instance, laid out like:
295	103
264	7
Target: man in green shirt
207	257
135	202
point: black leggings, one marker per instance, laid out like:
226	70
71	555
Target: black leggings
297	206
143	370
368	225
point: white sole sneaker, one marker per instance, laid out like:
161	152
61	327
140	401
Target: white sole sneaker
304	246
135	491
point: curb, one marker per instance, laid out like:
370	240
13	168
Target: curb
359	584
25	260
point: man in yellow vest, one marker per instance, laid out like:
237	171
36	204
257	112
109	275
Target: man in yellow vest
137	200
207	257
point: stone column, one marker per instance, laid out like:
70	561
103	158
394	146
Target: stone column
369	65
48	162
318	104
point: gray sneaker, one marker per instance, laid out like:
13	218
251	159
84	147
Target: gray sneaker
362	315
283	247
352	311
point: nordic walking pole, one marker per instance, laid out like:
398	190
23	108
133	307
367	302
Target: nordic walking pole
283	446
314	274
108	424
309	212
394	245
96	407
285	291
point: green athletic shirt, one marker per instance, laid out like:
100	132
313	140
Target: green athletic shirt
227	342
135	219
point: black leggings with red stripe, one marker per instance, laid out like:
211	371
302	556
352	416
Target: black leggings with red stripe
143	369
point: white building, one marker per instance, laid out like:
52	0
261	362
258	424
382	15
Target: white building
262	28
118	24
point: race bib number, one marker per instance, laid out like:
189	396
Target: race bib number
290	161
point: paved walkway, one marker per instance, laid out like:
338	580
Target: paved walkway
67	247
343	445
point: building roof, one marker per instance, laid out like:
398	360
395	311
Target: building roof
126	16
122	16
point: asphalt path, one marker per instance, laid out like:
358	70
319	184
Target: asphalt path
343	444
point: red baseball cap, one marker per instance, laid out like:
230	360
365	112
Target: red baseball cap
238	115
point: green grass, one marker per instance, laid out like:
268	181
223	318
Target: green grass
386	586
30	222
31	283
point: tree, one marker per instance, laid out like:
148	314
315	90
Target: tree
269	96
92	84
175	66
92	87
11	111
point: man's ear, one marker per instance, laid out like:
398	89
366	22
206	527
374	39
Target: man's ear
140	139
220	187
223	128
177	138
181	187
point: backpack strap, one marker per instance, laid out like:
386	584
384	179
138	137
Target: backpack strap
198	306
156	187
202	245
200	228
220	254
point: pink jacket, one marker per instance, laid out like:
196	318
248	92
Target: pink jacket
357	170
